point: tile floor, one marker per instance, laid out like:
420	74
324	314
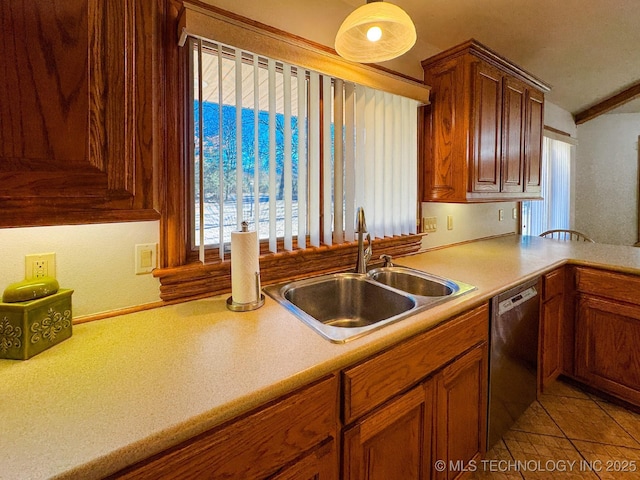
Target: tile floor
567	434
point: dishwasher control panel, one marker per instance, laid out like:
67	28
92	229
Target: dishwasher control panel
516	300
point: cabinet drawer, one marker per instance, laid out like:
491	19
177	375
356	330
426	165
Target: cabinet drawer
615	286
552	284
374	381
254	446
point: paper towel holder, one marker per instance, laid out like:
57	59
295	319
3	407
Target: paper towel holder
246	307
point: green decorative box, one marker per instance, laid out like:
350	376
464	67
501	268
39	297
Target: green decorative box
28	328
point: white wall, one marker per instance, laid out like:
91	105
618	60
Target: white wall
607	178
560	119
470	221
97	261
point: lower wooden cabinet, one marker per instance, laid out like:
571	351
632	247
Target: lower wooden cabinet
607	346
443	417
291	438
551	322
393	442
607	332
461	412
418	401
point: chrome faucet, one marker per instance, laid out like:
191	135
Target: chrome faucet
364	255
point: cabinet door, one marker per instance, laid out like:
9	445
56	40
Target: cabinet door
394	441
533	141
461	412
444	142
607	353
79	121
487	120
513	130
551	340
550	348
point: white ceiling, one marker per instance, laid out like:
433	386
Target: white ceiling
587	50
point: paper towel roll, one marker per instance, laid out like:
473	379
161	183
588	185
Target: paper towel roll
244	267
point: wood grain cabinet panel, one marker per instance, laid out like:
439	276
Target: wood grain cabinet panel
607	353
513	135
394	441
376	380
80	126
607	332
483	129
461	412
533	142
551	332
487	121
264	444
442	417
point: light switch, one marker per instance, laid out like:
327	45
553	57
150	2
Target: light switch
146	258
430	224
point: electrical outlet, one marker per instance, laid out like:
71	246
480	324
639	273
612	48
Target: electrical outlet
146	258
500	215
514	213
39	265
449	222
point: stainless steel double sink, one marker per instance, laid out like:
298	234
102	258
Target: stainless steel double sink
344	306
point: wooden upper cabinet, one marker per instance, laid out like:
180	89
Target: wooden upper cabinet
533	141
80	118
482	133
487	119
513	134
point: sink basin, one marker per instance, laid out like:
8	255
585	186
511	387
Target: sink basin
344	306
414	281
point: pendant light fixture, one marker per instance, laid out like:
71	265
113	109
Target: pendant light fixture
375	32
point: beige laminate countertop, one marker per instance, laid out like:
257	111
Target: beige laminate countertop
122	389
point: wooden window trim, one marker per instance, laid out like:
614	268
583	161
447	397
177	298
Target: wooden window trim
181	278
200	20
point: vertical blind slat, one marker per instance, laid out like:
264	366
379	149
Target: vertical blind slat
349	162
412	190
327	173
367	163
273	245
221	185
314	159
338	163
387	168
256	143
239	156
201	193
377	226
360	146
302	158
288	175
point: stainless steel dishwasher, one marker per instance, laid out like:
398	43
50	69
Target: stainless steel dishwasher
513	361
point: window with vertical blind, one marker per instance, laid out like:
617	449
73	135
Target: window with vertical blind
293	153
554	211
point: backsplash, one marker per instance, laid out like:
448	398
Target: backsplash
96	261
469	221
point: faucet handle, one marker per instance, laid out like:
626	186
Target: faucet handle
369	250
387	260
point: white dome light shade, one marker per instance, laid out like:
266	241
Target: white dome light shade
398	34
